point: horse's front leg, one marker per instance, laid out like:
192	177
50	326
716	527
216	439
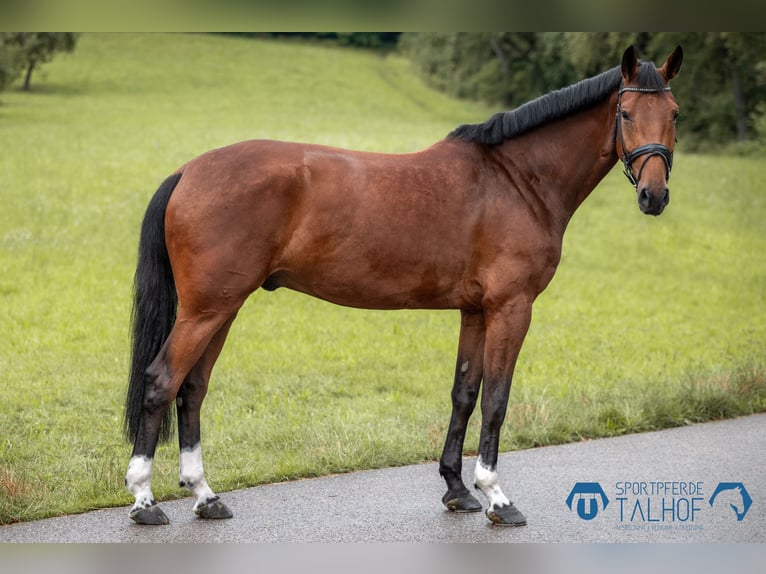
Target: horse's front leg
506	328
468	373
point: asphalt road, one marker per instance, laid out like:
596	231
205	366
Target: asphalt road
671	474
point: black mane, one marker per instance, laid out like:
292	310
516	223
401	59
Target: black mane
553	106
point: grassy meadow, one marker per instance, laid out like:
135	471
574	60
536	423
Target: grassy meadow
649	322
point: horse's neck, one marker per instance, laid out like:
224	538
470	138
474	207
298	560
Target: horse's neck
566	158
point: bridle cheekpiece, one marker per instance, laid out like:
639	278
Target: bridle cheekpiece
649	150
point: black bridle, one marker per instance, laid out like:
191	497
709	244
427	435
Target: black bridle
649	150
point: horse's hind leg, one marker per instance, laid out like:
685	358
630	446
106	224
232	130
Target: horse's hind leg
182	350
468	374
188	403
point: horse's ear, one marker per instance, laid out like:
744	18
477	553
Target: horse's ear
629	64
671	66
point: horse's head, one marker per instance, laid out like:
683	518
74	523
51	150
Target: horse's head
645	127
736	500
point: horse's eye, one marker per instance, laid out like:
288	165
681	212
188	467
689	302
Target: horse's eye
625	116
675	117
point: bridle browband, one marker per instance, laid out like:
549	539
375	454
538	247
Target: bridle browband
649	150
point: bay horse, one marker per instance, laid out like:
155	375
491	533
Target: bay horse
473	223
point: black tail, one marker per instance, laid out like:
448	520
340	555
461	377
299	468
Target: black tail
154	307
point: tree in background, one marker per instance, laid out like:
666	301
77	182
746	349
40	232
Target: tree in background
498	67
8	62
372	40
724	86
26	51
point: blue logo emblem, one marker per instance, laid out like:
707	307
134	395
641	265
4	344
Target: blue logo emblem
590	510
735	495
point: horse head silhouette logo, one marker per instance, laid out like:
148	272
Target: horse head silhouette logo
587	491
735	495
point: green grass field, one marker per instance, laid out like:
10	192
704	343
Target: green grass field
649	323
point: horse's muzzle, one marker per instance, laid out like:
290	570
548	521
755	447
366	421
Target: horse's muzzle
653	203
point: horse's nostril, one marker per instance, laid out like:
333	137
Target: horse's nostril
666	197
643	197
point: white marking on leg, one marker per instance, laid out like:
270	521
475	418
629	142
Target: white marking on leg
192	476
485	479
138	480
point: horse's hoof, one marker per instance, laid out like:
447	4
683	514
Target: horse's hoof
507	515
214	509
152	516
465	502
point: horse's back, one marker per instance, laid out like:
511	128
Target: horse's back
356	228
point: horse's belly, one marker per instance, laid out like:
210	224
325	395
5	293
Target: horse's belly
425	290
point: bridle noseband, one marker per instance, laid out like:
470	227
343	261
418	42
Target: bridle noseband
649	150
